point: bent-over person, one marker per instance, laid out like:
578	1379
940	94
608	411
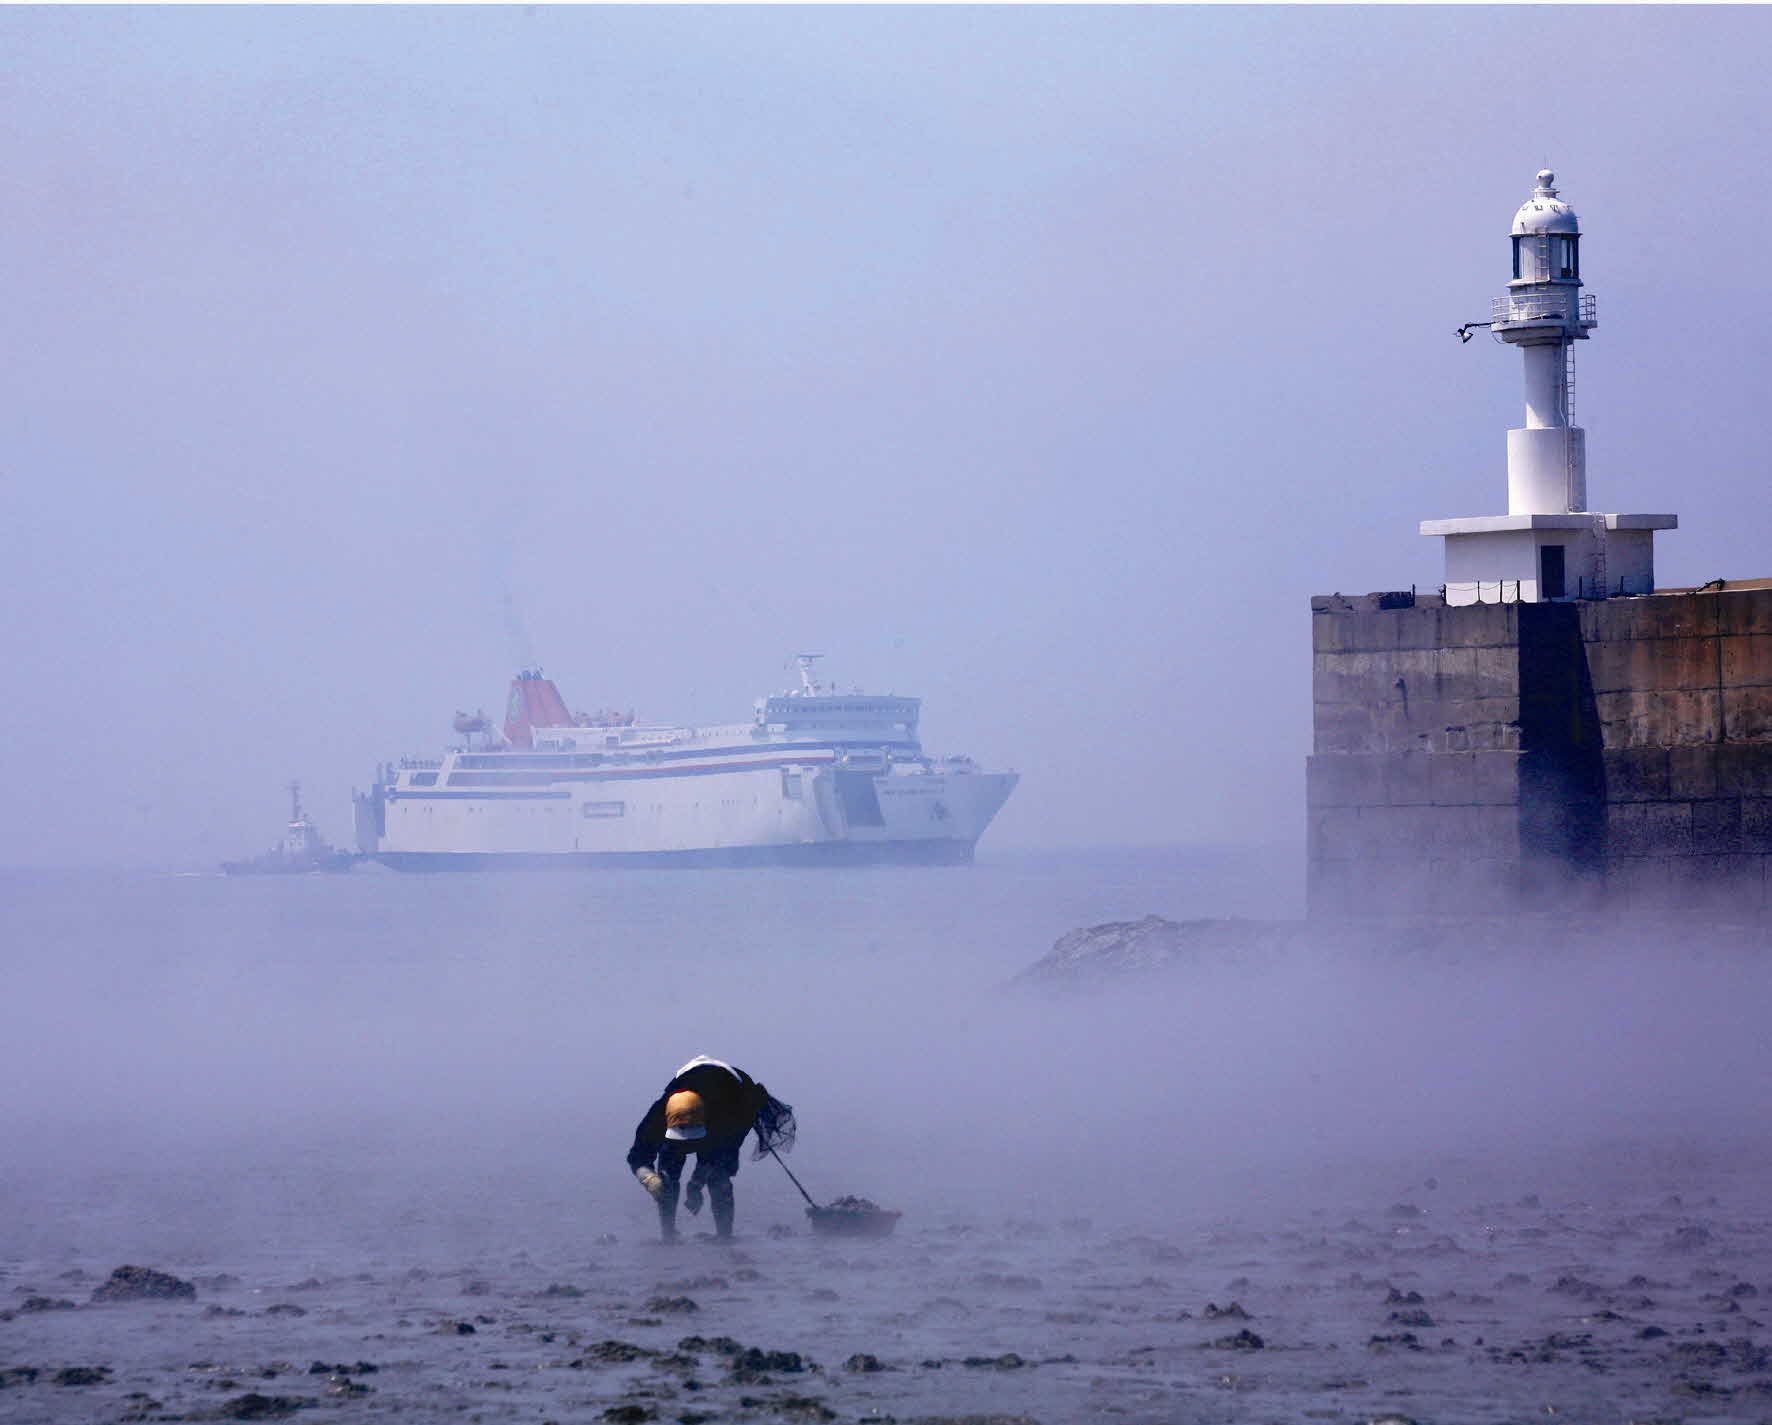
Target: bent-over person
705	1110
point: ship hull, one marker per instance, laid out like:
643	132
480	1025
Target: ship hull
330	864
754	816
830	853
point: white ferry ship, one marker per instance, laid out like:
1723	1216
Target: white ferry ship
816	777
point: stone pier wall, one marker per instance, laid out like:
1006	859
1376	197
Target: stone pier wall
1504	756
1683	685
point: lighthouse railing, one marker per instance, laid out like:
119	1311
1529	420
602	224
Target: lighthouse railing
1545	307
1513	591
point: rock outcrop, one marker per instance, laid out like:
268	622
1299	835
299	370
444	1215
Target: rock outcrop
1119	949
1097	956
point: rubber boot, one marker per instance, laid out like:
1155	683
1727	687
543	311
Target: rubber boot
667	1210
720	1198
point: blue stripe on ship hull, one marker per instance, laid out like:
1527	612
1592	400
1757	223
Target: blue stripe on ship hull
630	774
824	853
627	774
689	754
479	794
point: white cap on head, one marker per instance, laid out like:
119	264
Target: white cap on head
702	1060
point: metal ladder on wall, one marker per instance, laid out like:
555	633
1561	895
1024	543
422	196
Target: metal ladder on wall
1569	421
1598	572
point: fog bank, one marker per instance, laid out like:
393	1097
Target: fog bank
320	1067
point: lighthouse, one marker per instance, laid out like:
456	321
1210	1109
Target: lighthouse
1549	546
1530	739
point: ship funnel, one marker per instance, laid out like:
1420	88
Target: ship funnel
535	702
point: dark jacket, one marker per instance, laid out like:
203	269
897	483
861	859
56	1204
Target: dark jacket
736	1103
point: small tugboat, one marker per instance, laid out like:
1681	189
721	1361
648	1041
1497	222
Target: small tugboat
301	850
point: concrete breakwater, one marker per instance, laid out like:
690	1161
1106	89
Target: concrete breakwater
1613	754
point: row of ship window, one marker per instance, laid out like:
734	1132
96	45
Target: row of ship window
790	783
601	811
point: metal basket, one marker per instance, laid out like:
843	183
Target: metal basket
852	1222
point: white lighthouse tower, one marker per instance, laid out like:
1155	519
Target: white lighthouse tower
1548	545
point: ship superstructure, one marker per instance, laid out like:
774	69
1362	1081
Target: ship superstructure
816	777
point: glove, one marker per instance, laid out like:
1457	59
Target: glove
692	1198
651	1181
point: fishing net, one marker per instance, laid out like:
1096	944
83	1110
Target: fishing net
774	1126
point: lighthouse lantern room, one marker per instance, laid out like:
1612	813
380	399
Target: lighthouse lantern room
1549	545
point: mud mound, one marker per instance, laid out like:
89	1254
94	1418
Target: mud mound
143	1284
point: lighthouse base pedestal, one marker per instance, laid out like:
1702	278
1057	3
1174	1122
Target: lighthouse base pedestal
1530	559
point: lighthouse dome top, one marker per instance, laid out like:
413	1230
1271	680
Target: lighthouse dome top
1544	211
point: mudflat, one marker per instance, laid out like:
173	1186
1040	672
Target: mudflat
364	1143
1481	1291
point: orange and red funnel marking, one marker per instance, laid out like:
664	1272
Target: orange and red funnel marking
534	702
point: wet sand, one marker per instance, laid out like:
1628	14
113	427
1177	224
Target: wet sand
1476	1291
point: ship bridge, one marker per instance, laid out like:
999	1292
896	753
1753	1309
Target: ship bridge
857	716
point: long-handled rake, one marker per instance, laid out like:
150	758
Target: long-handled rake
847	1216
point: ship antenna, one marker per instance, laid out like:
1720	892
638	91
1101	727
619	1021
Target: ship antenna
295	801
808	684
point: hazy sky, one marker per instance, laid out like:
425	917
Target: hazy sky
1041	362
